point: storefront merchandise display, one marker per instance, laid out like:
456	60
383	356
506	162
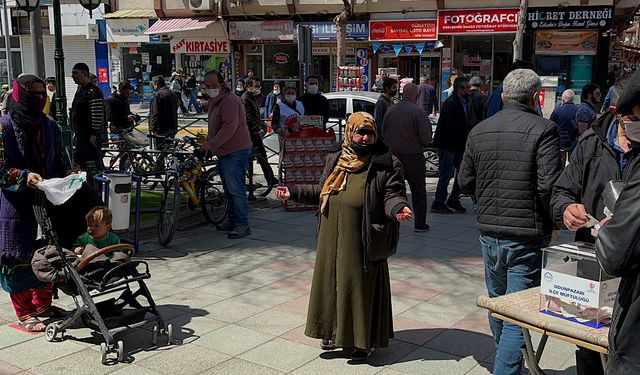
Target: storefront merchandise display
350	78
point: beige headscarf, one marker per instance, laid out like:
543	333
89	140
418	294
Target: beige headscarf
348	162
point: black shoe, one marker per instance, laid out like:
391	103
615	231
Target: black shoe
440	208
425	228
456	206
360	355
227	226
328	345
239	231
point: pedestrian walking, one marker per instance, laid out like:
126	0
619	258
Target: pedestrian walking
384	102
163	112
192	92
477	102
87	120
450	139
565	117
240	86
253	114
276	94
32	150
380	81
406	133
228	138
4	99
586	113
513	195
427	98
52	97
177	85
118	111
315	104
617	244
362	200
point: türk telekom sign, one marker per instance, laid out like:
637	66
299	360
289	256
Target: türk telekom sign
472	21
199	45
403	30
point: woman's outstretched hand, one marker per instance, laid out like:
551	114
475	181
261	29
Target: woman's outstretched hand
404	215
33	179
282	193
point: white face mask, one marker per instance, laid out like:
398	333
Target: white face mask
212	93
257	91
312	89
276	92
290	98
632	130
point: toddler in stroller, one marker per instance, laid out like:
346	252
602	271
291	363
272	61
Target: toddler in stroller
98	233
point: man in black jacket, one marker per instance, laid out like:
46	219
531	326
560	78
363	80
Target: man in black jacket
314	102
118	111
384	102
451	136
163	114
617	245
511	162
253	113
427	98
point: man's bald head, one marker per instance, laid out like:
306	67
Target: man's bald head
410	91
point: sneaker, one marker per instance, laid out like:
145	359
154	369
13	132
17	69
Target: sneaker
425	228
227	226
239	231
456	206
440	208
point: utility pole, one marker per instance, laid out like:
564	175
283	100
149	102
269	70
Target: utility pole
61	96
35	26
7	41
522	22
341	31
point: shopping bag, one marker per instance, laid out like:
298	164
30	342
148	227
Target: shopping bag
59	190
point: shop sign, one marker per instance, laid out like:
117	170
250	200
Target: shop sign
472	21
103	76
208	46
326	31
281	58
362	60
596	17
403	30
566	42
471	60
129	44
127	30
261	30
321	50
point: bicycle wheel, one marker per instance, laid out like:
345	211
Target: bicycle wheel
263	179
213	200
169	210
145	166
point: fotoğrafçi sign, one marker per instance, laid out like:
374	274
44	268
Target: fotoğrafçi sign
570	18
199	45
397	30
472	21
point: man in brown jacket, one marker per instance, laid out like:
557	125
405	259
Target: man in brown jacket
229	140
406	133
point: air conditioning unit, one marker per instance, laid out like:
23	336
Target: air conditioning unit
200	4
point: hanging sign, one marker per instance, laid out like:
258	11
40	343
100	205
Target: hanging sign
103	76
205	46
583	17
403	30
473	21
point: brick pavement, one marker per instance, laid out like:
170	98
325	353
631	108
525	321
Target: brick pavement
239	308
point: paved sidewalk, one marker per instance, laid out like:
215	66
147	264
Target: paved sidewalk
239	307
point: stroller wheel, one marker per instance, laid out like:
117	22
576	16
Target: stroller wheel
170	334
51	332
103	353
154	336
120	350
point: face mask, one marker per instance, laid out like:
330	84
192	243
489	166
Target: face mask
632	130
257	91
239	88
290	98
38	103
360	149
276	92
393	93
213	93
312	89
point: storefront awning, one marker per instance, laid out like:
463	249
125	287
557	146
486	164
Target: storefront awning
131	13
172	25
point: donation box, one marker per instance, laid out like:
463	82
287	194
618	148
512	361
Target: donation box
574	286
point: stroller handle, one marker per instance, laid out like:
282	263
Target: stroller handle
106	250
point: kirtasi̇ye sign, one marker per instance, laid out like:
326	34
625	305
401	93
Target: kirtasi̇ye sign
596	17
471	21
199	45
403	30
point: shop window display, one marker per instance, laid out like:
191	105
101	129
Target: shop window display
281	61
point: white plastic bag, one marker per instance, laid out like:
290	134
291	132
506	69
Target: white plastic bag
59	190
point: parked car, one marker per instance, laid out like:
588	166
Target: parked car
342	105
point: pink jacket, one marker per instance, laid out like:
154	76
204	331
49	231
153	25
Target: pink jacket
228	131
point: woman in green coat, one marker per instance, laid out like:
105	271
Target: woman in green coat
362	200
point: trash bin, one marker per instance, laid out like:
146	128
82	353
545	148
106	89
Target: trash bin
119	199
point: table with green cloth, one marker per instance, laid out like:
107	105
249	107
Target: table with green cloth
523	309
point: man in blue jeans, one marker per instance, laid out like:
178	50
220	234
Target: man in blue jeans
229	140
510	165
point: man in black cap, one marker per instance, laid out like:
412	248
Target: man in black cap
118	111
617	244
87	120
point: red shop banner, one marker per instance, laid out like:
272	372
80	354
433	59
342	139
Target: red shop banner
478	21
403	30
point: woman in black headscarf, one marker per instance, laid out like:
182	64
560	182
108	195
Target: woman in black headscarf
33	150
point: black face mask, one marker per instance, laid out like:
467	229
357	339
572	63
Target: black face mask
360	149
393	93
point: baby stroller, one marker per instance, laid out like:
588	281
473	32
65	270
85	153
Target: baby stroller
86	284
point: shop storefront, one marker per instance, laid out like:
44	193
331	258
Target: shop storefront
405	48
479	43
568	44
268	48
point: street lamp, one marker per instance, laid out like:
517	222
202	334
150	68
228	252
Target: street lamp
27	5
89	5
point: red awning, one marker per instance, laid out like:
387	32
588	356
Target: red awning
172	25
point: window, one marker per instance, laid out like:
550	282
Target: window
337	108
281	61
360	105
20	21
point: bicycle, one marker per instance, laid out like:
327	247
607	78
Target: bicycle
187	172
